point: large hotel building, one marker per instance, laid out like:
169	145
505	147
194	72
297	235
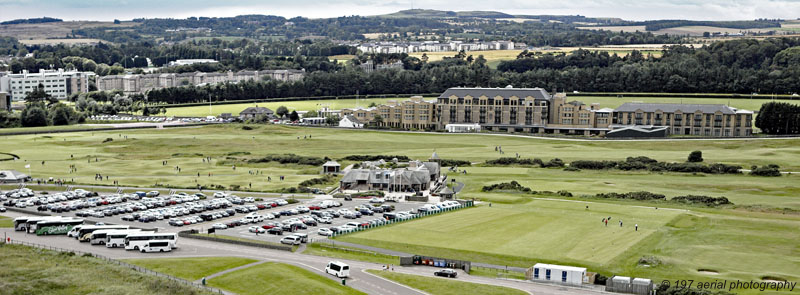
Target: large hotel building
534	110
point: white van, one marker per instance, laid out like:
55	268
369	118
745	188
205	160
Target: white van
291	240
156	246
338	269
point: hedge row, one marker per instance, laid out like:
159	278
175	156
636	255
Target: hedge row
769	170
289	159
645	163
514	186
506	161
453	163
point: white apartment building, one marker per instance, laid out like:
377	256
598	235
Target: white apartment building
132	84
58	83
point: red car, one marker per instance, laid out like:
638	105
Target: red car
261	207
314	207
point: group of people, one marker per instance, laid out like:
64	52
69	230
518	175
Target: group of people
305	136
499	149
606	220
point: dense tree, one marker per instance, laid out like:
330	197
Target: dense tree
779	118
293	116
695	156
34	116
282	111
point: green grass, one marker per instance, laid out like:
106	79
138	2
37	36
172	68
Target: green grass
299	105
47	128
738	245
540	229
137	160
240	239
443	286
350	254
26	270
278	278
741	189
193	268
6	221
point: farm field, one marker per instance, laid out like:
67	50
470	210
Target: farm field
137	159
27	270
695	244
192	269
299	105
494	57
278	278
442	286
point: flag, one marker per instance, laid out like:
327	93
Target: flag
28	166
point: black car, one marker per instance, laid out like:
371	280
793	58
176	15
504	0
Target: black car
387	208
446	273
389	216
366	211
376	209
275	231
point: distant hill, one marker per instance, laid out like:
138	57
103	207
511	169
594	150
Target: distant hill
442	14
32	21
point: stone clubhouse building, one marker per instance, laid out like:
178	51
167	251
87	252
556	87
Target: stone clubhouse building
535	111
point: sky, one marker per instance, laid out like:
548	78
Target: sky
626	9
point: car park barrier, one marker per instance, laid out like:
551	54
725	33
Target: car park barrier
121	263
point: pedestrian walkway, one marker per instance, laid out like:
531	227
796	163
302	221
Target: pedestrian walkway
229	271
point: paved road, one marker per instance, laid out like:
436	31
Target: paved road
359	279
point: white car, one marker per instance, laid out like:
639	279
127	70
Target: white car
256	229
324	232
219	226
291	240
219	195
249	199
376	200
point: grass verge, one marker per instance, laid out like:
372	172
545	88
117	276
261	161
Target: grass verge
6	221
28	270
193	268
442	286
350	253
225	237
496	273
278	278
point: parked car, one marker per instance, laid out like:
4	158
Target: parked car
291	240
256	229
324	232
447	272
275	231
219	226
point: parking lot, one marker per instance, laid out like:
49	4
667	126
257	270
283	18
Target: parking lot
228	214
245	231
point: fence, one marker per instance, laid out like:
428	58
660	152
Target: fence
123	264
399	220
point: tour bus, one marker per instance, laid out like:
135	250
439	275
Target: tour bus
85	233
116	238
56	226
138	240
338	269
73	233
22	223
156	246
99	237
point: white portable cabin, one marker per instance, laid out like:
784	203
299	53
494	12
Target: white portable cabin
561	274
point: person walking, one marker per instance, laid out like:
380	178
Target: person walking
620	223
637	227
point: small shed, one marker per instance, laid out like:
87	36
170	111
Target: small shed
331	167
446	193
568	275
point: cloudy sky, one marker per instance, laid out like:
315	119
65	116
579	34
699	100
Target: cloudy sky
627	9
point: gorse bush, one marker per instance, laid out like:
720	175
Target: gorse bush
645	163
507	161
289	159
